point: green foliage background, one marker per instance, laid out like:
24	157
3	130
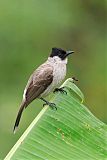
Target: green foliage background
28	31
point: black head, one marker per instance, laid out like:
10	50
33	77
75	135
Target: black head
60	53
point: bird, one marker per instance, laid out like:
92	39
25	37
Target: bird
45	80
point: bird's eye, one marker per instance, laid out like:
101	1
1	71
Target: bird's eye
60	54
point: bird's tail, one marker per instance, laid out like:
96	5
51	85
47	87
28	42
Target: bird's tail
23	105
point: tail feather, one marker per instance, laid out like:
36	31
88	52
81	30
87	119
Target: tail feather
23	105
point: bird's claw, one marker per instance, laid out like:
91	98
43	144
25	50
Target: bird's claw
60	90
52	105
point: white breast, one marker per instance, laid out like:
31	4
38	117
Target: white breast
59	73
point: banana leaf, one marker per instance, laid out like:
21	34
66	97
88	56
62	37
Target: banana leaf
71	132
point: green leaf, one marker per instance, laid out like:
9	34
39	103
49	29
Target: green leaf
70	133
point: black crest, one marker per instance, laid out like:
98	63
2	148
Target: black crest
58	52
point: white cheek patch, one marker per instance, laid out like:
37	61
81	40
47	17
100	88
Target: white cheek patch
24	94
66	61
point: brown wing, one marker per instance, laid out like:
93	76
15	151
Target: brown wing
38	82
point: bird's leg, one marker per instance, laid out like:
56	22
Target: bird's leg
52	105
60	90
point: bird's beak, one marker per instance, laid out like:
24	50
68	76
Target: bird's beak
69	52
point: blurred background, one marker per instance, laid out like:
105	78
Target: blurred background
28	31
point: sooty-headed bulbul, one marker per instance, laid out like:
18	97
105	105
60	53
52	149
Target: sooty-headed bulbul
44	80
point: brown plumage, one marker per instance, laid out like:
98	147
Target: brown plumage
37	84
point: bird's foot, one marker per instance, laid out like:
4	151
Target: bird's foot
52	105
60	90
74	79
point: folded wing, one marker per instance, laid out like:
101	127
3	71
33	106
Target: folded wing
38	82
